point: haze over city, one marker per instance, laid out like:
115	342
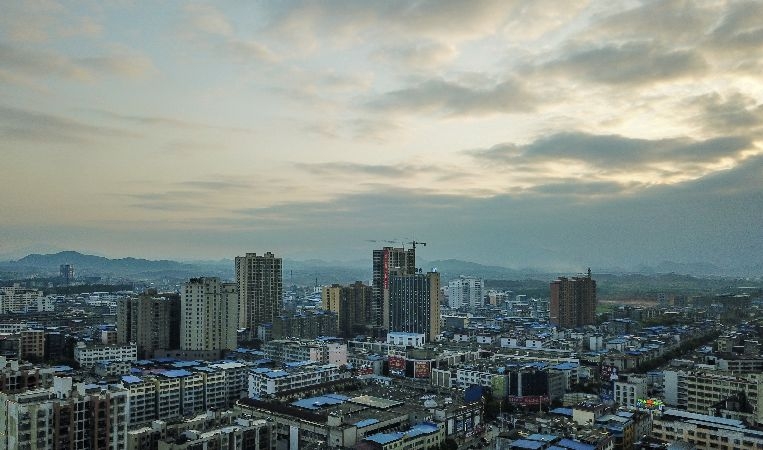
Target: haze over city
514	133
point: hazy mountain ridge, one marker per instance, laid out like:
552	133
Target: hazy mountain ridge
320	272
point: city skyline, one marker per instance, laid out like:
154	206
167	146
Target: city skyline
519	134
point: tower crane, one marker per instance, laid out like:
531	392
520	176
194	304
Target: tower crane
413	244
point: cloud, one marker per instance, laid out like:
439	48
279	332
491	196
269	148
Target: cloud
420	55
634	160
42	64
346	20
740	29
734	113
157	121
580	188
360	170
30	126
614	153
204	21
632	63
248	50
447	98
208	19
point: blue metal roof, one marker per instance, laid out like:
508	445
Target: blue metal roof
385	438
320	401
175	373
526	443
366	422
131	379
276	373
574	445
421	428
562	411
565	366
542	437
182	364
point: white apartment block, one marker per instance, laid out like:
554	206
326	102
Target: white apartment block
209	315
466	292
406	339
236	379
698	392
64	416
265	382
628	392
17	299
468	377
705	432
320	351
88	356
142	399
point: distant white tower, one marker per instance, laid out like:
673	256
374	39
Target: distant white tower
209	315
466	292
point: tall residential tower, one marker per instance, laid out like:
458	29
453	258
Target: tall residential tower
387	262
209	315
573	301
260	289
414	304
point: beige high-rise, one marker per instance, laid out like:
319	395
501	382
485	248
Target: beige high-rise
260	289
209	315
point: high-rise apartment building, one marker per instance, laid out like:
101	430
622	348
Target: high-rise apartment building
387	262
260	289
66	273
466	292
414	304
573	301
351	304
64	416
209	315
151	322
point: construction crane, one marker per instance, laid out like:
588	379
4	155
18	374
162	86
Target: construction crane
413	244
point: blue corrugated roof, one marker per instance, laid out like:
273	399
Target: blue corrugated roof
175	373
276	373
421	428
320	401
542	437
131	379
574	445
526	443
182	364
366	422
565	366
562	411
385	438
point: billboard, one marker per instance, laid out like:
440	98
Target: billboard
365	370
500	386
608	373
396	363
473	394
421	369
528	400
649	403
385	269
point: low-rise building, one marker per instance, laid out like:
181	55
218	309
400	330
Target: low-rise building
88	356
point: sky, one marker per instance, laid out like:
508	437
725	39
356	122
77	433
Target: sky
520	133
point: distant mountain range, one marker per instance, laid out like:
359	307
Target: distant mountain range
295	272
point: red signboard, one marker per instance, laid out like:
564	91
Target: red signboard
421	369
365	370
396	363
527	400
385	269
